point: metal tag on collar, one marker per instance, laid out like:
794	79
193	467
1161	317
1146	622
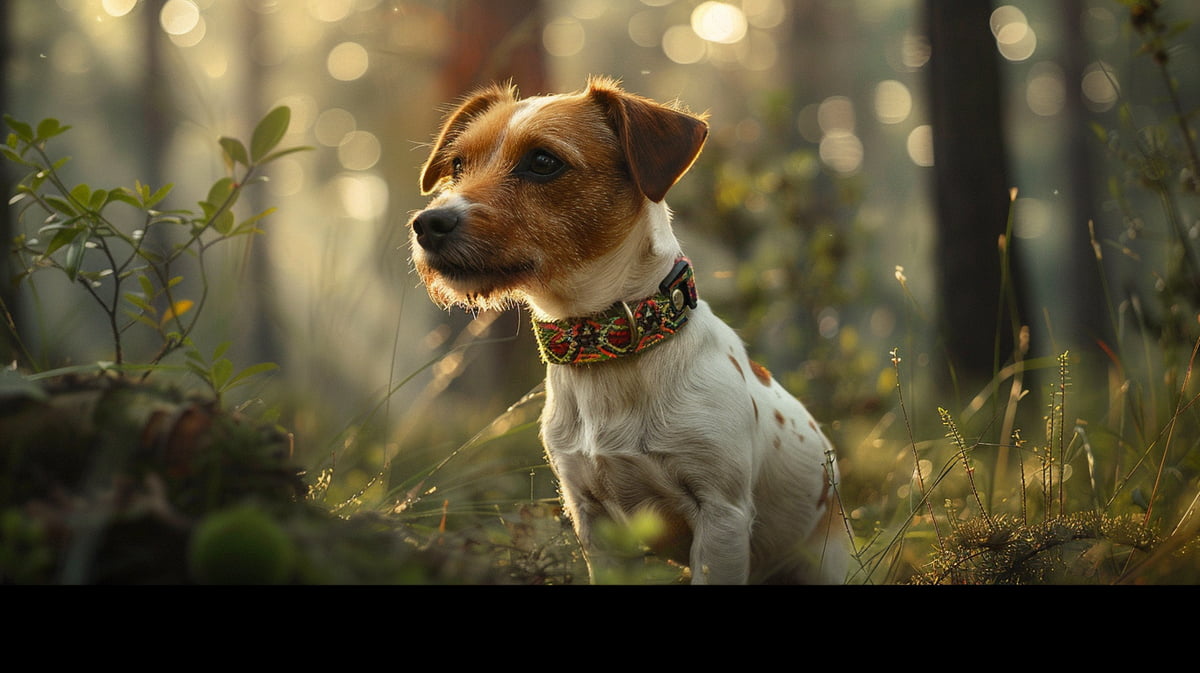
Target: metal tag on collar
676	286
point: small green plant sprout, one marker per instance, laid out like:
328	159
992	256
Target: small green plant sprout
133	277
218	372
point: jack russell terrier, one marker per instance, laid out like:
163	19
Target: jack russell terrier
651	401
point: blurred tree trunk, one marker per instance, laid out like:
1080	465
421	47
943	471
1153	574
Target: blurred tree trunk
495	42
155	97
1079	276
258	314
8	294
971	189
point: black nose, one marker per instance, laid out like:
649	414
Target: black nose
433	226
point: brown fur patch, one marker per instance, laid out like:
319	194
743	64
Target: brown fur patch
737	367
779	418
761	373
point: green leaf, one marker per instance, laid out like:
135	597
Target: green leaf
241	377
291	150
61	205
158	195
124	195
140	302
235	150
63	237
195	356
224	223
220	192
138	317
198	370
99	198
75	253
13	155
221	371
24	131
269	132
82	194
48	128
247	225
221	349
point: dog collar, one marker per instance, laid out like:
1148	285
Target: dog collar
623	329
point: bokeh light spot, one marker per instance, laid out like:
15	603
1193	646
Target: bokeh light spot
563	37
914	51
1045	92
893	102
118	7
330	11
363	196
842	151
764	13
1014	36
1100	86
359	151
719	22
643	29
920	145
179	16
333	125
682	45
347	61
192	37
836	113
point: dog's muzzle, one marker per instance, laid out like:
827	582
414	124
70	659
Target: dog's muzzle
433	227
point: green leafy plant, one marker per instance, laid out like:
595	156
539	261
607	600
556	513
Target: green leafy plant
125	252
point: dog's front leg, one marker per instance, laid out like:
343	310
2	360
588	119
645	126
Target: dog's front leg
721	543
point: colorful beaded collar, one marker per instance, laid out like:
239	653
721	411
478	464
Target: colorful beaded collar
623	329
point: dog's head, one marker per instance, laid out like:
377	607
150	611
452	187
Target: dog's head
530	190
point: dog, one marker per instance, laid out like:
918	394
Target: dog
557	202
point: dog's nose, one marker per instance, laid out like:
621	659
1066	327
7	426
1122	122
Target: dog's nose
433	226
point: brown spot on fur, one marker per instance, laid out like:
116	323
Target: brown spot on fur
779	417
755	405
737	367
778	443
761	373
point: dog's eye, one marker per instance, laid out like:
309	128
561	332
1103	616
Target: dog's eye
540	166
456	167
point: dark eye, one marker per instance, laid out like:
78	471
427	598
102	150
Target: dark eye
540	166
456	167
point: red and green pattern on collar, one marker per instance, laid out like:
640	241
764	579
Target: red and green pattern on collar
623	329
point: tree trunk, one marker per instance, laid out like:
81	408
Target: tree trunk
9	311
971	190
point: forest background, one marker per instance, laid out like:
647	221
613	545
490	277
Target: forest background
998	341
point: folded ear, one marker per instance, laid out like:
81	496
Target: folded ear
660	142
440	165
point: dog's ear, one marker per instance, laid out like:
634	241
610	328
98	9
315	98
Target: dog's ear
660	142
439	165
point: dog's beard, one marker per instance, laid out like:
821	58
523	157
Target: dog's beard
474	288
